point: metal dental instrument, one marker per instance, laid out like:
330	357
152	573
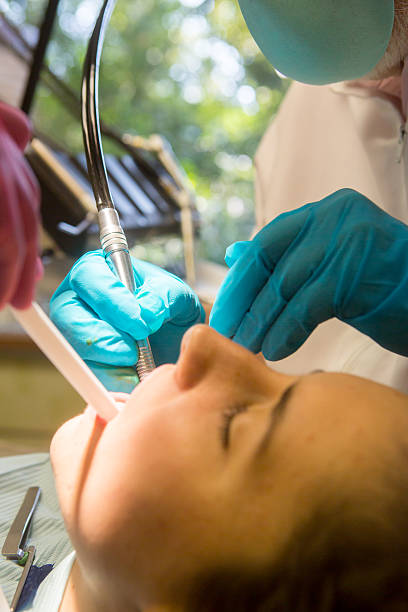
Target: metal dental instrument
23	578
112	237
14	548
14	544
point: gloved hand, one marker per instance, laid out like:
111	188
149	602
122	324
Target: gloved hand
341	257
102	319
20	266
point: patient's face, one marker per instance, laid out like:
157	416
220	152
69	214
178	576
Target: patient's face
213	462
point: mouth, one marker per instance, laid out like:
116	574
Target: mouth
72	450
90	430
85	429
98	425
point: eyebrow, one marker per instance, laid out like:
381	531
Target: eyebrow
278	411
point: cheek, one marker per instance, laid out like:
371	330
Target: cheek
152	488
136	488
69	454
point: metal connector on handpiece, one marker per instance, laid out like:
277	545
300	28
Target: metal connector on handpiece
115	246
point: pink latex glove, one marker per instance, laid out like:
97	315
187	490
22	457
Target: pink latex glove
20	266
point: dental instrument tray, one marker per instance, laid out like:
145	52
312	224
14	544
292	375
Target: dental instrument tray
149	199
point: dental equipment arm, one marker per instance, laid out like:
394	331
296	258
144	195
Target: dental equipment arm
113	239
54	346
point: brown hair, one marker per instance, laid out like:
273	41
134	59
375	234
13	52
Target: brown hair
344	559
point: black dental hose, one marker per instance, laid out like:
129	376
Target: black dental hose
112	237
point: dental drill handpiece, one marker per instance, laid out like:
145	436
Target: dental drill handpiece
112	236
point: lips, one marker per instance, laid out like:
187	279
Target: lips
97	430
99	424
89	411
75	441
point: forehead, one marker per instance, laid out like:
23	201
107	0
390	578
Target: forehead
335	420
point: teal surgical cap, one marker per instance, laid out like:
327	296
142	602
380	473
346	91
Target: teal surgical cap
320	41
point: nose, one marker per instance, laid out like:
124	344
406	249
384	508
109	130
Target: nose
206	354
202	349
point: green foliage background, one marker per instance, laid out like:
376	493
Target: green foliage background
187	69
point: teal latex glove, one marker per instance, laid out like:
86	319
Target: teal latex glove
102	319
341	257
321	41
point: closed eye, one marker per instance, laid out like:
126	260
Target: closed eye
227	418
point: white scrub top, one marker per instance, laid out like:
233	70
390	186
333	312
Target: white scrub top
324	139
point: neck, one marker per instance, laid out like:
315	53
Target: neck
79	597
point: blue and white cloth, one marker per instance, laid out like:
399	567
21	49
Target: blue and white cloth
54	555
51	591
